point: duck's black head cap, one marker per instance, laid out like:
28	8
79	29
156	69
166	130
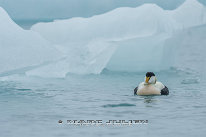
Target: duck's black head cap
150	74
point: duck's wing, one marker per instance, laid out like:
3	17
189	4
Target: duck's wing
139	86
165	91
135	91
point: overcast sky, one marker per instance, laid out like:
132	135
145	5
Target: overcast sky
58	9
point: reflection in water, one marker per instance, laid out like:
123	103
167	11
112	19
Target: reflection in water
119	105
149	99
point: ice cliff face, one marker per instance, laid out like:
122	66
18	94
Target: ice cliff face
186	49
125	39
20	48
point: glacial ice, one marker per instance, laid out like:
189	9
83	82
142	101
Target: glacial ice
124	23
92	58
145	38
22	49
186	49
139	34
139	54
121	23
191	13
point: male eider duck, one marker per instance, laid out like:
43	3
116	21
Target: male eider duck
151	86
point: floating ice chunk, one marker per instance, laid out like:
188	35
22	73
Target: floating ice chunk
20	48
124	23
190	13
186	50
121	23
139	54
125	39
140	34
81	59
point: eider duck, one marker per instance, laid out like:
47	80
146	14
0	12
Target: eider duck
151	86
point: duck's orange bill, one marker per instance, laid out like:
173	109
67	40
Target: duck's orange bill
147	79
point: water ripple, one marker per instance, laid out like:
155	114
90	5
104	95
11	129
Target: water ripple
118	105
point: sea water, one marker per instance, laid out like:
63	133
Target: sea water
32	106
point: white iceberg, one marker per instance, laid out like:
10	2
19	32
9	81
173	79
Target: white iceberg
90	58
138	34
119	24
190	13
124	23
186	50
125	39
21	48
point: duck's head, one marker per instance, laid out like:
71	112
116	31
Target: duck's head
150	78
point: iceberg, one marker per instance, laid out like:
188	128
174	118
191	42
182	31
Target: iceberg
119	24
90	58
139	36
124	23
139	54
21	49
190	13
145	38
186	50
148	53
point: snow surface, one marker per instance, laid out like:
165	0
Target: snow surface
125	39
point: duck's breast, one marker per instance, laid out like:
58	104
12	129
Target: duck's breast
148	90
